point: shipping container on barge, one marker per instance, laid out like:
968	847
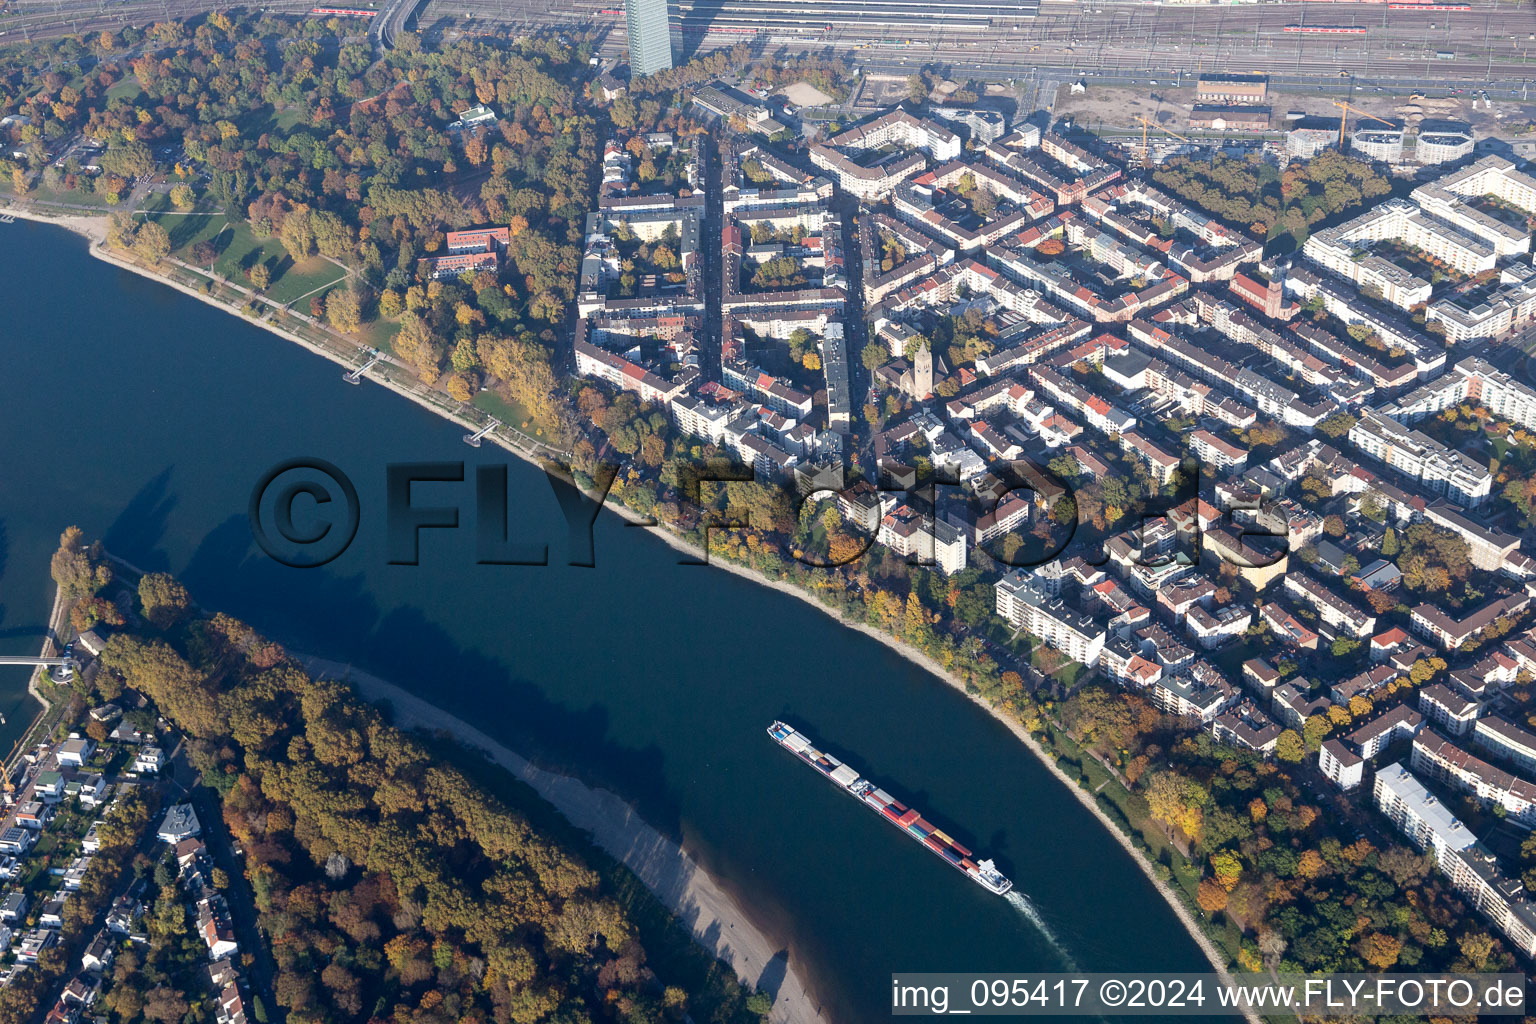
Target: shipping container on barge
984	873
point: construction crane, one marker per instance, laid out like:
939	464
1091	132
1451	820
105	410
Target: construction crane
1145	124
1344	118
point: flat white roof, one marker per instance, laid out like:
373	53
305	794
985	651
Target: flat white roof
1447	828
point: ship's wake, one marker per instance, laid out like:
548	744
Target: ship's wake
1022	904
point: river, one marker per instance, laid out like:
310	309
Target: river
146	417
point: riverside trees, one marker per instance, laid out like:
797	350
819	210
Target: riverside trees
325	153
389	886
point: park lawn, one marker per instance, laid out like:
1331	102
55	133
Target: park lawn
240	249
380	334
289	118
509	413
292	281
188	230
48	195
128	89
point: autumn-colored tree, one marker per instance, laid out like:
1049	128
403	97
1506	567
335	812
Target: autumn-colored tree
343	310
1226	869
153	242
1380	950
1289	747
163	599
1211	896
1178	802
79	570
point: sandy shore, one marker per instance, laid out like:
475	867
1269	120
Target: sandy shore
95	229
716	920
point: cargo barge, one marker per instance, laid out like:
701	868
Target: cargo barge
984	873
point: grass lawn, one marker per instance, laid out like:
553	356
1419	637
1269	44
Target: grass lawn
48	195
288	119
378	335
239	249
128	89
188	230
509	413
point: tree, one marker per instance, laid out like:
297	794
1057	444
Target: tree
297	235
260	277
183	197
129	160
78	570
874	356
1177	801
343	310
163	599
153	242
1337	425
1380	950
917	88
1315	729
1345	645
1228	870
1289	747
1211	896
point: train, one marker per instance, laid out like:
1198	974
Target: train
1401	5
345	12
1327	30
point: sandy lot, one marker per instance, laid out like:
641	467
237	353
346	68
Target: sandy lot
804	94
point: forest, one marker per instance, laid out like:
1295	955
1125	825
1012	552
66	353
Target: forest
387	885
290	127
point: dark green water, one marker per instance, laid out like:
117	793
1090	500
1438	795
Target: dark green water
145	417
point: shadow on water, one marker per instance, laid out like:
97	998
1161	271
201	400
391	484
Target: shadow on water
337	617
5	550
137	532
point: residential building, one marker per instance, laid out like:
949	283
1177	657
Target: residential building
1449	710
1026	603
1435	623
1506	741
75	751
1471	868
1340	765
1332	609
1436	757
180	822
1248	727
1441	470
1370	739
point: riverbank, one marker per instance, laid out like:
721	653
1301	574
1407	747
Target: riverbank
1171	897
94	230
42	721
716	921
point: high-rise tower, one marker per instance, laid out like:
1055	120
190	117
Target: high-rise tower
650	37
